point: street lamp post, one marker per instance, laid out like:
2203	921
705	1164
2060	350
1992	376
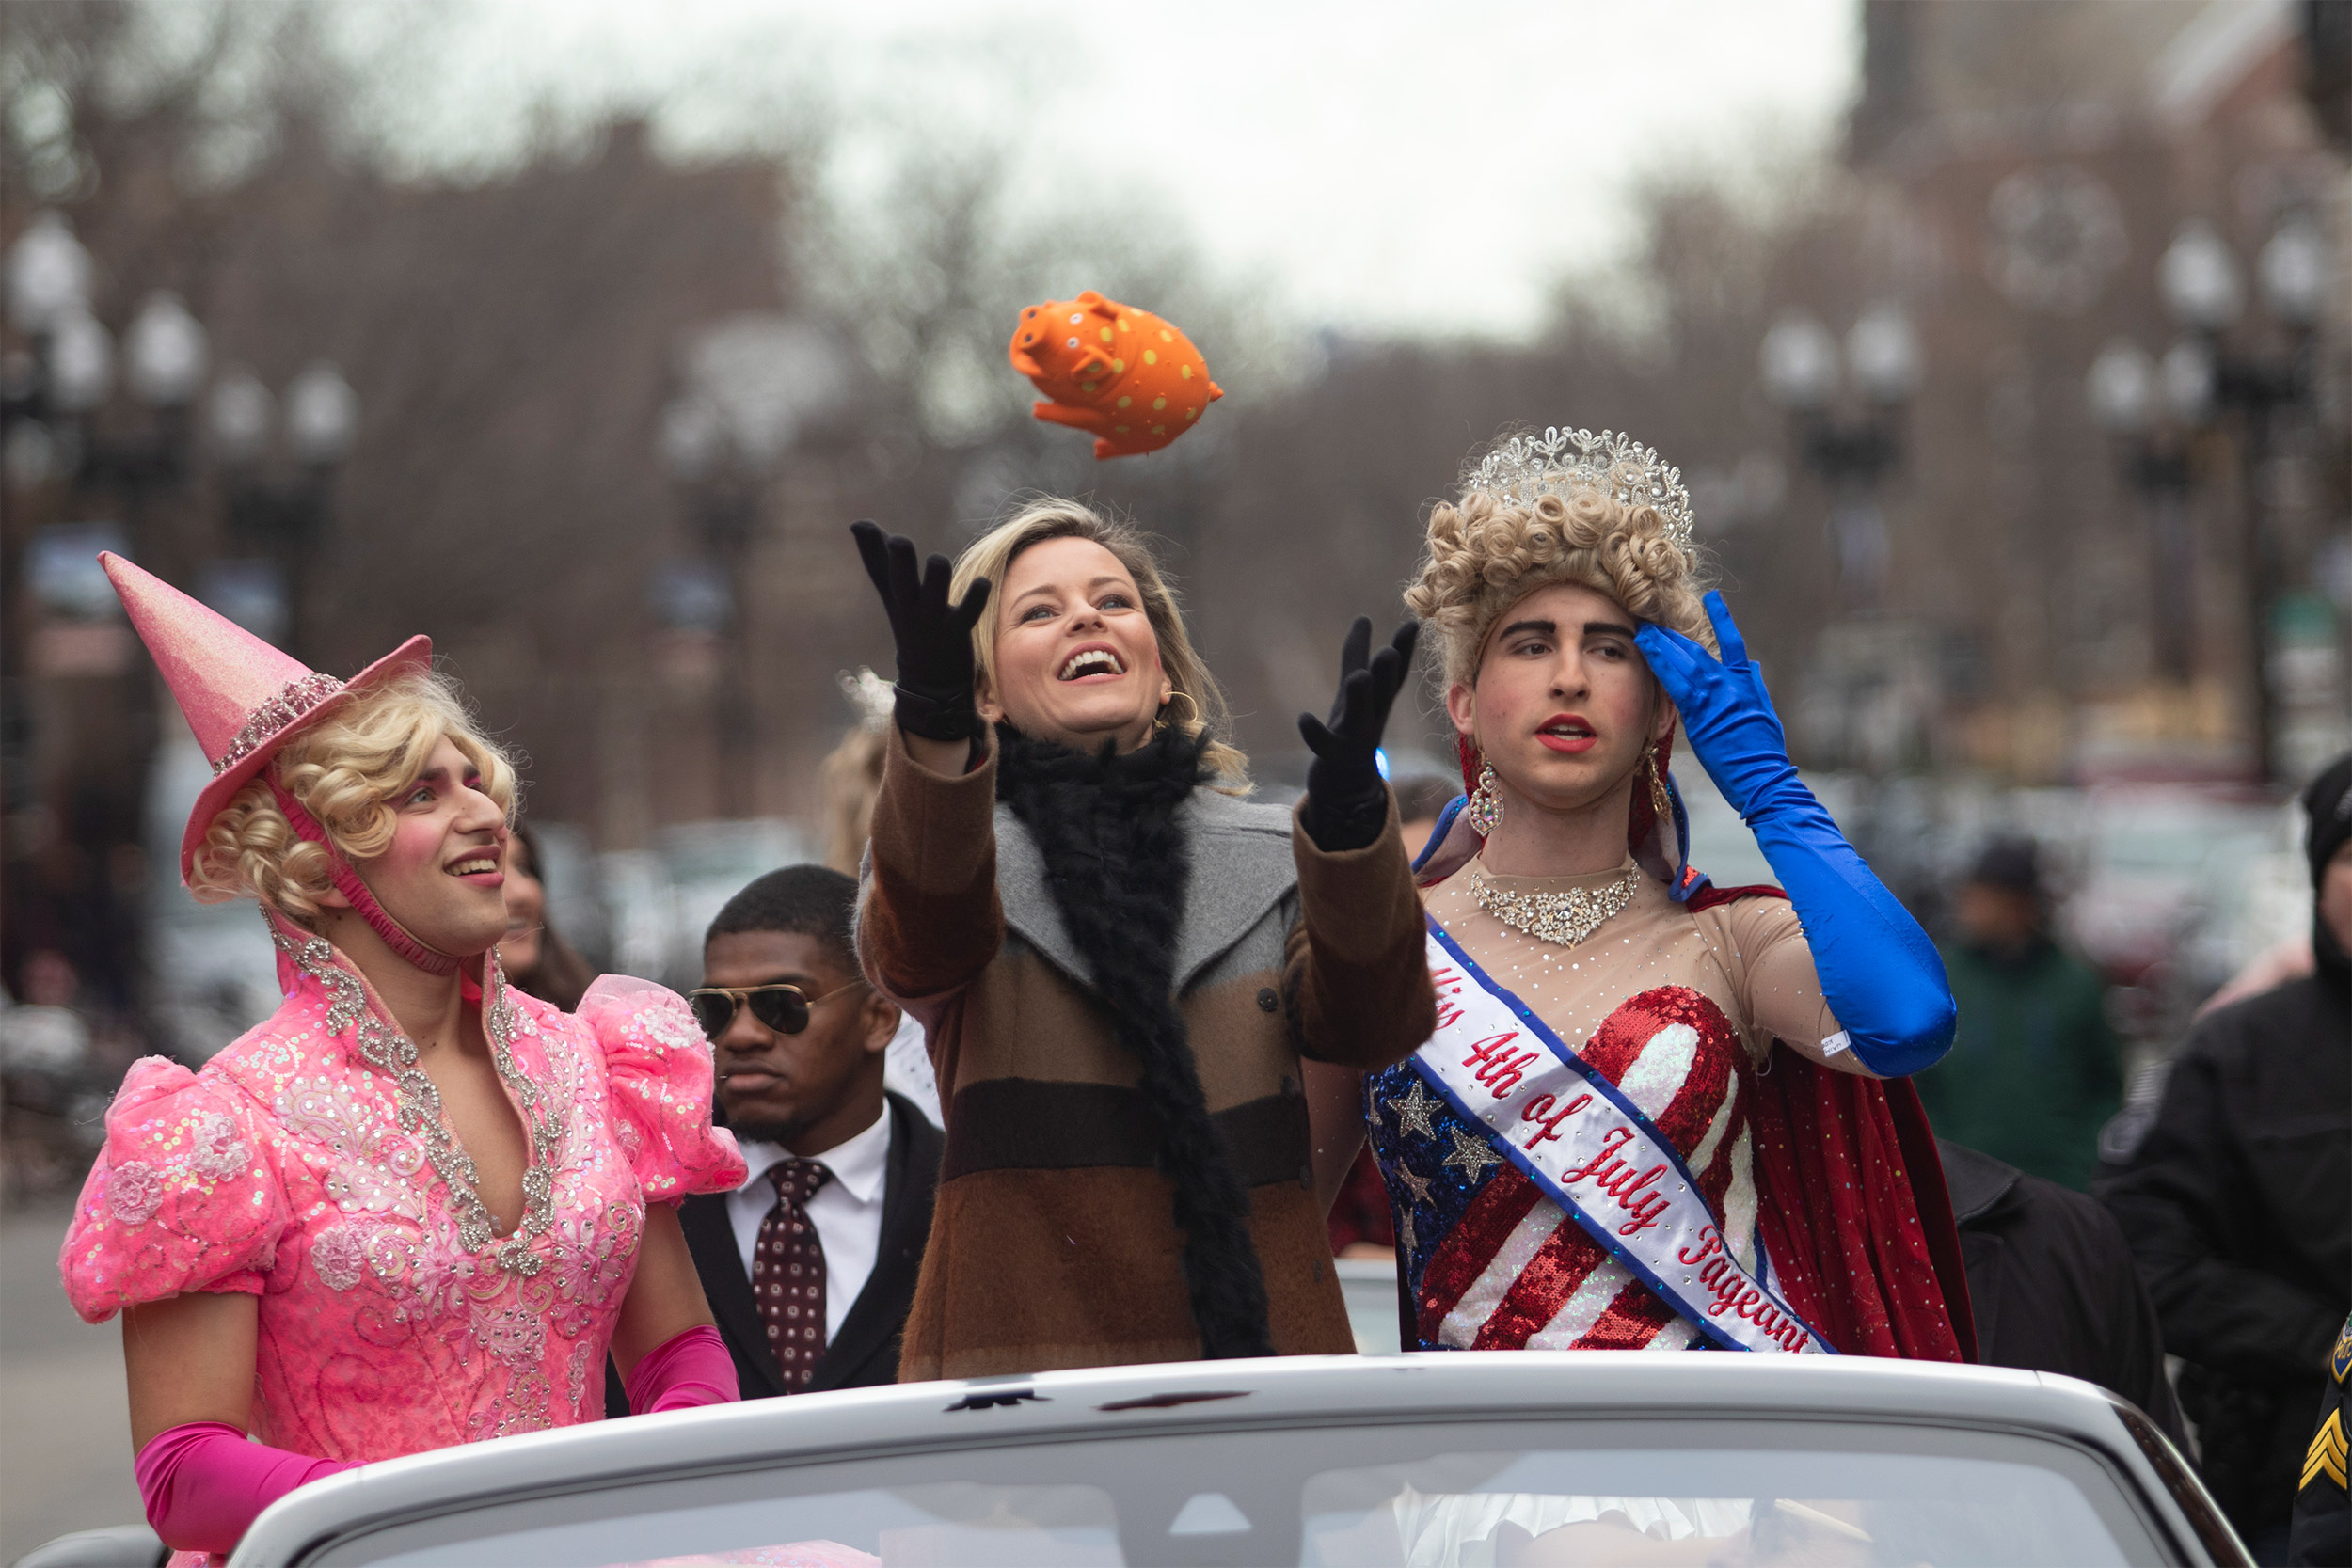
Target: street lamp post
282	521
2204	379
83	754
721	496
2145	407
1850	451
757	391
48	397
1850	443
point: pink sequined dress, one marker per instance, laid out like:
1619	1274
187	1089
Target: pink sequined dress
308	1164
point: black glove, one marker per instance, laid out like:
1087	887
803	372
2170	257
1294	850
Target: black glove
1347	800
935	667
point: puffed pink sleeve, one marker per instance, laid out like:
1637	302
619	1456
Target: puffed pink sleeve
183	1197
658	1070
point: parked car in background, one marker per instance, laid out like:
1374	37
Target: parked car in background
2175	888
1428	1458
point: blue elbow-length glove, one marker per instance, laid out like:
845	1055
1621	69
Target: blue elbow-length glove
1879	974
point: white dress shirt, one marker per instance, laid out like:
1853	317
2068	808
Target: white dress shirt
847	1211
907	1068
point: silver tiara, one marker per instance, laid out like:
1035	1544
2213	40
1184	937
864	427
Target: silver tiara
1558	461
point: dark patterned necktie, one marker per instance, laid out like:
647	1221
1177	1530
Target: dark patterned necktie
788	1272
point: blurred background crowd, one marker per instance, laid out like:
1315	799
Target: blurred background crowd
2007	355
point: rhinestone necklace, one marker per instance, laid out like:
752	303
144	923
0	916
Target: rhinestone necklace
418	1103
1566	918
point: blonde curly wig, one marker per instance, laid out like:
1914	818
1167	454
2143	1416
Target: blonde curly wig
346	771
1486	552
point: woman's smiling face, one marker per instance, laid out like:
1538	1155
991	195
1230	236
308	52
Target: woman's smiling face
1076	660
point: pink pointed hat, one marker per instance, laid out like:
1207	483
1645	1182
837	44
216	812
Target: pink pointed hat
242	697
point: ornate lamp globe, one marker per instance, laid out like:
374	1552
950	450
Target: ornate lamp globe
2200	280
2188	376
321	415
239	414
49	274
166	352
2121	388
81	361
2293	271
1799	361
1882	352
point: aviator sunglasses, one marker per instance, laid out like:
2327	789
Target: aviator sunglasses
782	1006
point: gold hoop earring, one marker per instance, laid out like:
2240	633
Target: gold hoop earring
1485	809
1659	802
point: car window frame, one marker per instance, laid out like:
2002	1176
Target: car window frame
2161	1524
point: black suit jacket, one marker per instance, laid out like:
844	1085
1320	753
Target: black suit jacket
2051	1280
866	1351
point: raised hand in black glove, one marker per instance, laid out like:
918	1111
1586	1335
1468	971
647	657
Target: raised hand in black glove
935	666
1347	802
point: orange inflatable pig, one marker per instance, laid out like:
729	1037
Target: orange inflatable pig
1124	376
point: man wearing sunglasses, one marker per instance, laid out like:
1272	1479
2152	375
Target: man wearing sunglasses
810	1265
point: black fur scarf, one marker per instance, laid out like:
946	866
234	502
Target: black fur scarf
1117	862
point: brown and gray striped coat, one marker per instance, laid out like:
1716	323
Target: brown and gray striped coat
1052	1244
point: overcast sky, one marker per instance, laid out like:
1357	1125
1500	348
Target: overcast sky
1426	168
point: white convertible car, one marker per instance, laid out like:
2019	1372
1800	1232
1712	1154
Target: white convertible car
1470	1459
1411	1461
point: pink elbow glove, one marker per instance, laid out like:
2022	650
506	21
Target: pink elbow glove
683	1372
204	1485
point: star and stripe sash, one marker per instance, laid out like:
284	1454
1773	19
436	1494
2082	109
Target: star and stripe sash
1588	1149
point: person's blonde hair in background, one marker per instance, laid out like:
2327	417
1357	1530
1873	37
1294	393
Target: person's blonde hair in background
344	770
1195	704
851	775
850	780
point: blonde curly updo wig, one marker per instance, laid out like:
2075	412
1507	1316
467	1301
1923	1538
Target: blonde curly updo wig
1487	551
347	771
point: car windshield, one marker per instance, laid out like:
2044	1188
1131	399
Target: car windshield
1432	1495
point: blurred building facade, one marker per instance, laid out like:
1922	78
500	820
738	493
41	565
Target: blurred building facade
2161	590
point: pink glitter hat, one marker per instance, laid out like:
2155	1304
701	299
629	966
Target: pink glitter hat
242	697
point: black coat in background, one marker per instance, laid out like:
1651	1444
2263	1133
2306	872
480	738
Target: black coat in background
2051	1280
2238	1207
866	1351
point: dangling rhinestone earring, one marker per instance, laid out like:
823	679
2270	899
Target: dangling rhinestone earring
1485	809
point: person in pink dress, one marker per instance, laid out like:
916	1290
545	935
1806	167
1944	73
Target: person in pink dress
416	1207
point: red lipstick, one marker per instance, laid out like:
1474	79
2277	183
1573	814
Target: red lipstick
1570	734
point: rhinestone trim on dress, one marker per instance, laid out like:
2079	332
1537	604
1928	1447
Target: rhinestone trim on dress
419	1102
1565	918
294	699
